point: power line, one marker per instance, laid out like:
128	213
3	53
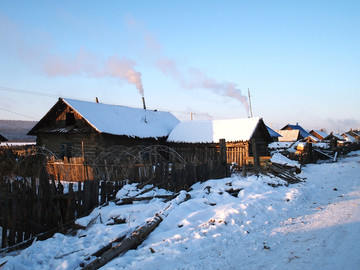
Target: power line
18	113
37	93
16	90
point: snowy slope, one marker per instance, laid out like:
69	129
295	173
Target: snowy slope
310	225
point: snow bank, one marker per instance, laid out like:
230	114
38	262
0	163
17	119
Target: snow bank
228	223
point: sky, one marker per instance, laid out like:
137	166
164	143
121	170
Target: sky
300	60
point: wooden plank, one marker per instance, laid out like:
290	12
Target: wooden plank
131	242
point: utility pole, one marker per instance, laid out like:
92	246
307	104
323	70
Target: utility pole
250	103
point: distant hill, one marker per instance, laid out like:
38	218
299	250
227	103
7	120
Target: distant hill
16	130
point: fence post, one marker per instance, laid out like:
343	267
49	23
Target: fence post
255	155
223	157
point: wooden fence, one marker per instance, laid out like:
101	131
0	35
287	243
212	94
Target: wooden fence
30	208
70	169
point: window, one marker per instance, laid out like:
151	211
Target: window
70	119
65	150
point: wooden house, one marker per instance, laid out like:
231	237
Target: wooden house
72	127
319	134
289	135
302	132
240	135
348	138
335	140
355	134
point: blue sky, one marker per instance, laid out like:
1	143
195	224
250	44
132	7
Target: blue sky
300	59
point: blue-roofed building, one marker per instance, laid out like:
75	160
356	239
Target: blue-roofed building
302	131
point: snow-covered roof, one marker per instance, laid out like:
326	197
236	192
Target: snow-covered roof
288	135
323	134
303	132
280	145
122	120
312	138
281	159
211	131
349	138
337	136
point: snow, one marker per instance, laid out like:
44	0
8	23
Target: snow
131	122
338	136
281	159
211	131
288	135
17	143
323	134
349	138
310	225
280	145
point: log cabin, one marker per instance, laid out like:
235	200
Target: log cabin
238	134
319	134
302	132
72	127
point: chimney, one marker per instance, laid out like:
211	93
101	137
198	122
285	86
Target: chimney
96	100
143	99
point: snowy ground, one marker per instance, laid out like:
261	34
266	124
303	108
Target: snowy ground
311	225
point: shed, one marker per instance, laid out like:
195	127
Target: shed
73	126
238	134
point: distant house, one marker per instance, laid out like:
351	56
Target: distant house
302	132
335	140
289	135
311	139
319	134
354	134
348	138
238	134
73	126
2	138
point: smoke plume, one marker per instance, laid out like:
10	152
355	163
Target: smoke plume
85	63
196	79
37	52
190	78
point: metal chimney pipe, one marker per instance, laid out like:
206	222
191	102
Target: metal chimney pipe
143	99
